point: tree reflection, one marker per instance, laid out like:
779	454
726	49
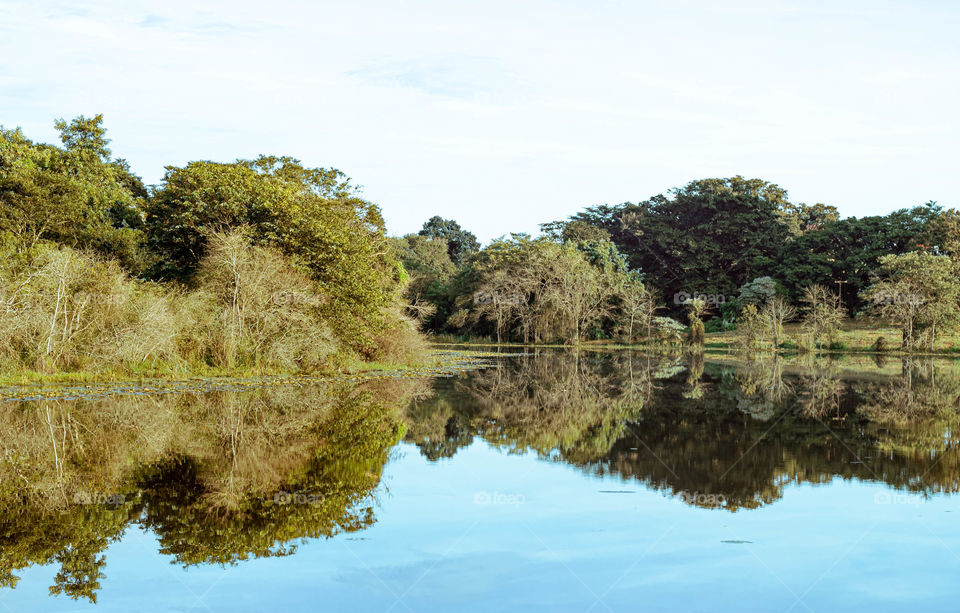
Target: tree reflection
707	431
577	405
223	477
219	477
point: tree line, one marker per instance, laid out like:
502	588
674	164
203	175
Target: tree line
261	263
716	254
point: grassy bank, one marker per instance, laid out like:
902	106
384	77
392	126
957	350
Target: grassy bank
854	337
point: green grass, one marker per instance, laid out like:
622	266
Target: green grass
854	337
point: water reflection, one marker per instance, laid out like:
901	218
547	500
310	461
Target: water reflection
713	434
217	477
223	477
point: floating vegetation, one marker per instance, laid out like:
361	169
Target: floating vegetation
442	364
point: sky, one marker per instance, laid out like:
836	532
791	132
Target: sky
506	114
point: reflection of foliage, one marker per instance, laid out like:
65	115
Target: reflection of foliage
917	411
75	540
207	473
604	413
667	368
210	474
437	428
762	388
549	403
333	483
694	382
820	392
915	395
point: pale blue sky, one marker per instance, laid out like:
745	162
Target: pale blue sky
504	114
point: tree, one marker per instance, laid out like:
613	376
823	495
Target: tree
265	310
758	326
849	250
708	237
498	300
460	243
823	314
638	303
669	330
918	292
85	135
751	329
802	218
776	312
430	271
313	215
502	287
580	290
757	292
696	308
575	231
542	290
73	196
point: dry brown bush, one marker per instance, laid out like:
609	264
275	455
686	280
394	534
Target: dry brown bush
63	310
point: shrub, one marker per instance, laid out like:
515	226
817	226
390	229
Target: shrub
265	312
67	310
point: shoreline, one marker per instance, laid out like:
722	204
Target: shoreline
438	363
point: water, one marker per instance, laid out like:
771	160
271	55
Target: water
554	482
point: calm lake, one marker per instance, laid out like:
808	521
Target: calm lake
547	481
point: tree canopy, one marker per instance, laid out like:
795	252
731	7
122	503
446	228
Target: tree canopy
312	215
73	195
460	243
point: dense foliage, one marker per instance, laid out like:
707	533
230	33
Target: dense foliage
266	263
312	215
258	263
73	195
718	253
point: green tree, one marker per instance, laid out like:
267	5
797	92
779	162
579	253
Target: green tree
540	290
802	218
430	271
574	231
823	315
638	304
708	237
460	243
849	251
757	292
74	196
918	292
85	135
313	215
776	312
696	308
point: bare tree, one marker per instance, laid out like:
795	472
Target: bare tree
823	315
776	312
